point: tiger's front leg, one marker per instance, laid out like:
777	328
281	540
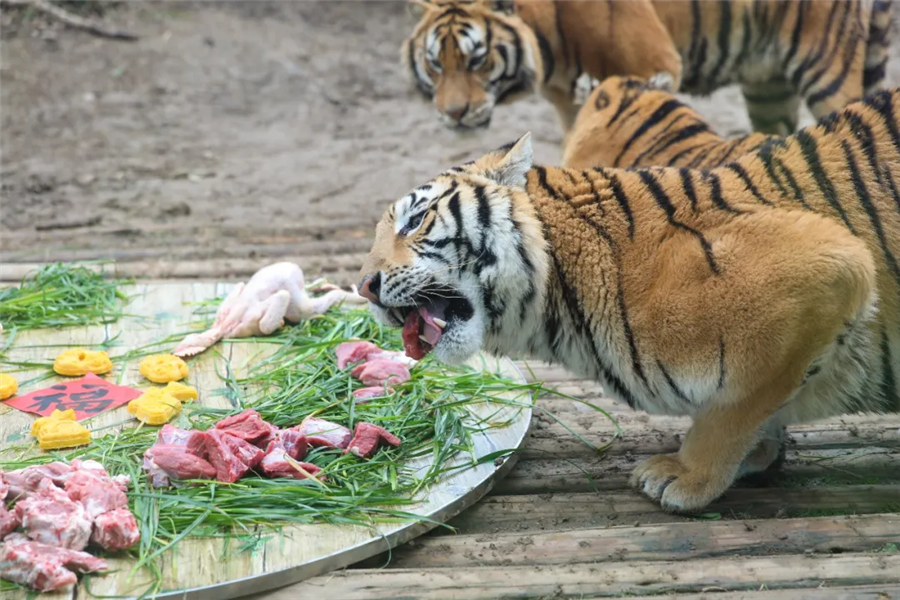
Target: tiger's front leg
713	452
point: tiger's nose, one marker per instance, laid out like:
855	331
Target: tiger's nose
370	286
457	112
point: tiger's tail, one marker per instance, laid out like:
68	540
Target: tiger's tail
877	45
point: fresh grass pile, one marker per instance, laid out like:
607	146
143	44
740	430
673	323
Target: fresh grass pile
61	295
431	413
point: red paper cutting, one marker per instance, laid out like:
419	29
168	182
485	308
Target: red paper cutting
88	396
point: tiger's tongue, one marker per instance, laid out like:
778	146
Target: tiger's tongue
420	324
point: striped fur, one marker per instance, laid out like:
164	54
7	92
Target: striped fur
751	296
628	122
825	52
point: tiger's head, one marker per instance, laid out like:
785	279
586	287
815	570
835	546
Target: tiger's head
470	55
460	262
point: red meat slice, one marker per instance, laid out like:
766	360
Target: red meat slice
372	392
232	457
354	352
248	425
116	530
164	462
289	443
51	517
367	437
320	432
44	567
194	441
24	482
97	493
380	372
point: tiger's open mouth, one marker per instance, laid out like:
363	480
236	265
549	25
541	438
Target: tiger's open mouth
435	312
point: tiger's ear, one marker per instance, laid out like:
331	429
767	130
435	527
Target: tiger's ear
417	8
513	163
662	80
502	6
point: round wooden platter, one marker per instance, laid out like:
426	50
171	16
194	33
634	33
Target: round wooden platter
212	568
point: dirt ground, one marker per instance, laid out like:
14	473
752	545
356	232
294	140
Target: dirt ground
230	135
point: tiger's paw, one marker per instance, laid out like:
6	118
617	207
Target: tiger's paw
667	480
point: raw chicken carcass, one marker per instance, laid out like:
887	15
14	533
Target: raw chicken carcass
51	517
275	294
249	426
44	567
231	456
116	530
9	522
380	372
367	437
320	432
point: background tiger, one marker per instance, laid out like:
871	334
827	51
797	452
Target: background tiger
472	54
630	122
758	294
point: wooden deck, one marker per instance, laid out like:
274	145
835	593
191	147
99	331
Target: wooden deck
564	524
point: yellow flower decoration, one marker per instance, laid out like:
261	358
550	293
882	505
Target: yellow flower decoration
180	391
154	407
55	417
78	361
8	386
162	368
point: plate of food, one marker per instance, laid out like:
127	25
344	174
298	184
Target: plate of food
262	456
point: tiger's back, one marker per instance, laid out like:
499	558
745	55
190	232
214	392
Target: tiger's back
630	122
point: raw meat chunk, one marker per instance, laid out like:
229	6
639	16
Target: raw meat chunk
381	372
372	392
247	425
51	517
24	482
8	521
231	456
391	355
289	443
43	567
367	437
116	530
320	432
4	487
354	352
194	441
163	462
97	493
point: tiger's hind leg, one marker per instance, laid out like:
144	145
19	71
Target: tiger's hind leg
773	107
769	452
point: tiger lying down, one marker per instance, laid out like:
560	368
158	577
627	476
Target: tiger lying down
751	296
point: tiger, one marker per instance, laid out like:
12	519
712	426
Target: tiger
752	296
630	122
470	55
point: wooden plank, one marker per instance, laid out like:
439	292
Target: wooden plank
671	541
658	436
600	580
559	511
611	472
200	565
859	592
